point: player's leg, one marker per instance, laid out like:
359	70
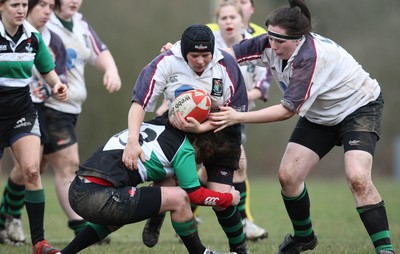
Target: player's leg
27	155
369	203
64	163
152	228
62	154
229	218
12	205
295	197
175	200
241	183
308	143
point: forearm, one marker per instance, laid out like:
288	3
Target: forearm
51	78
105	62
274	113
206	197
135	118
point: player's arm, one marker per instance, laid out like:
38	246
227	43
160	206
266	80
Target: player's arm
133	152
184	165
205	197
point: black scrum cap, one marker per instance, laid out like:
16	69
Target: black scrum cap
197	38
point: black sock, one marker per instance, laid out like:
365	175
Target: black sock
34	202
83	239
375	221
12	202
193	243
187	231
298	209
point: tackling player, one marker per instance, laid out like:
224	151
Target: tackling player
104	190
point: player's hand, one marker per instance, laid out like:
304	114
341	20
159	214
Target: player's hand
235	195
60	92
189	124
112	81
227	116
132	152
166	47
42	91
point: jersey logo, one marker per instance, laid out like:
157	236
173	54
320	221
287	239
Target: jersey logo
71	58
251	68
29	48
173	78
3	47
216	87
211	201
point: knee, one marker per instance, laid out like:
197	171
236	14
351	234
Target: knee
182	198
359	184
285	178
31	174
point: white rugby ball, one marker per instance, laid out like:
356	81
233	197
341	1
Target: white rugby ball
193	103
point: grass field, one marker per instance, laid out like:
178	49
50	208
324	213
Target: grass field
334	217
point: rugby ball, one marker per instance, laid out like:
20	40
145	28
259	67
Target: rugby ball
193	103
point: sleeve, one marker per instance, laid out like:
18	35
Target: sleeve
238	100
205	197
301	80
184	165
96	44
60	56
43	60
251	49
151	83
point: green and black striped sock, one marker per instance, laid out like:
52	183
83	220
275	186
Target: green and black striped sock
298	209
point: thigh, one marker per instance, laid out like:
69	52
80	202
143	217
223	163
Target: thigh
113	206
318	138
27	152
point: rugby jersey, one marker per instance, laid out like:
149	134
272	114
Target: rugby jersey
321	81
82	46
16	62
170	74
167	152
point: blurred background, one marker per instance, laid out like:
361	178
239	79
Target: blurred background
135	30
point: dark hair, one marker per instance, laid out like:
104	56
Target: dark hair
57	5
216	145
31	4
295	18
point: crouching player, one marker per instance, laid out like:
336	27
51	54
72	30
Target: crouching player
104	191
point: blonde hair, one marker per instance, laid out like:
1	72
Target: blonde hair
233	3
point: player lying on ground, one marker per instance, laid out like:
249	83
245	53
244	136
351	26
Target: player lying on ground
104	191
